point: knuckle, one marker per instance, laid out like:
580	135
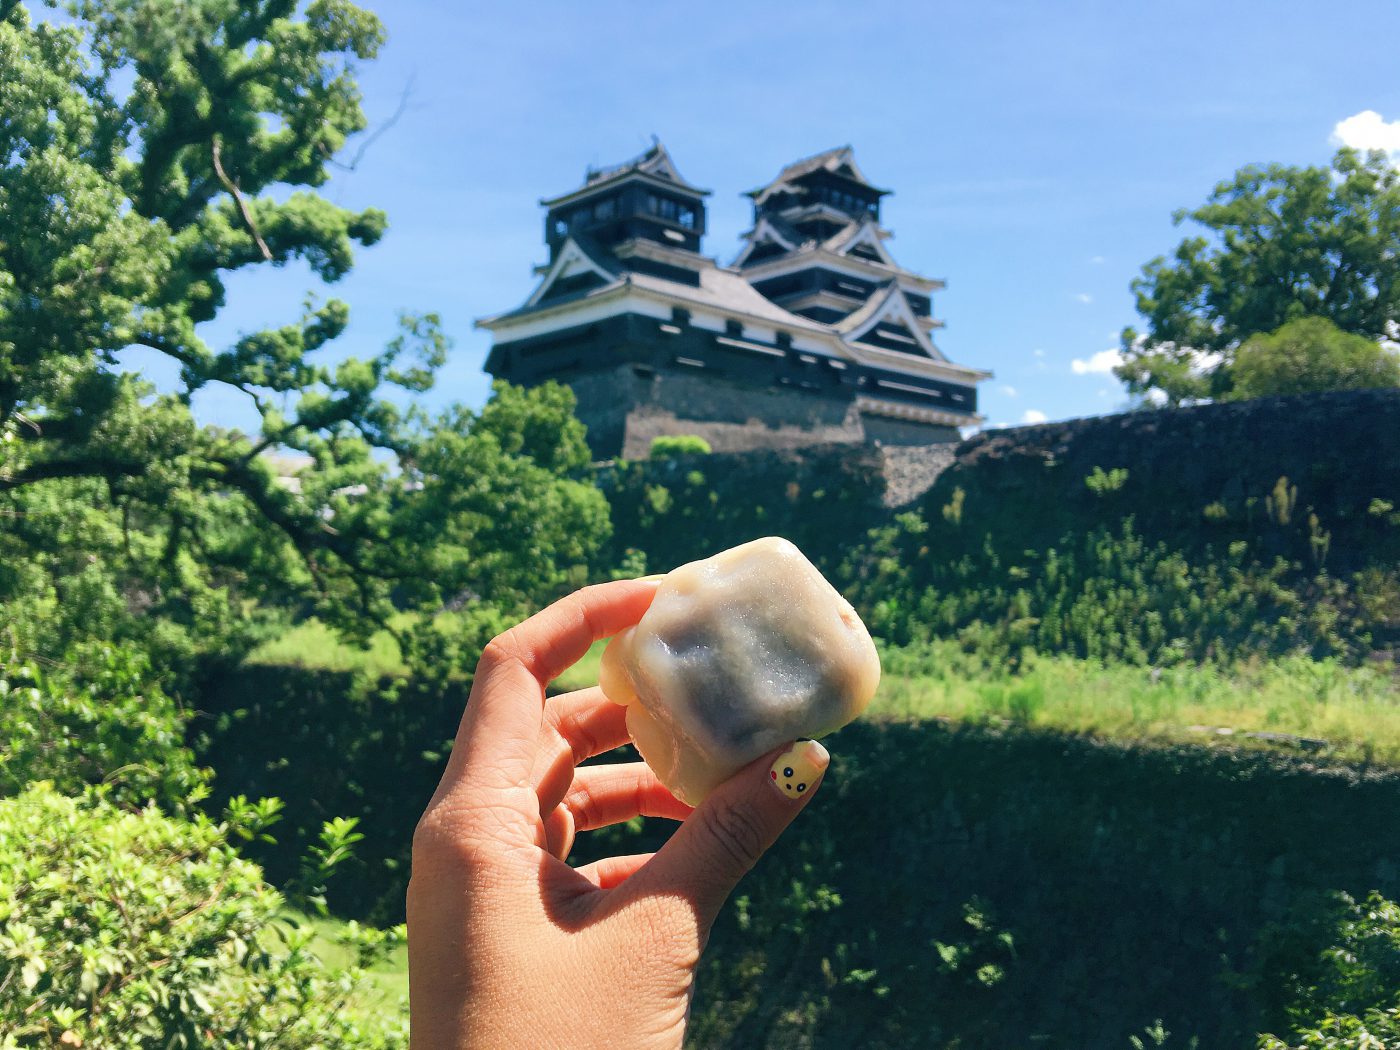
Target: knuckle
737	836
574	731
440	834
500	650
584	809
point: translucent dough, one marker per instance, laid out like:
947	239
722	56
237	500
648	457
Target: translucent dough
738	654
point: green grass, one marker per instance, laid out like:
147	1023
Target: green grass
313	644
1354	712
385	985
585	672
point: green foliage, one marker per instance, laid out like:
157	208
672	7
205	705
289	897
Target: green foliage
981	960
1157	1035
1135	882
343	743
1348	995
668	445
1111	596
160	148
1282	243
1307	356
1101	483
1282	502
953	509
671	513
137	931
98	717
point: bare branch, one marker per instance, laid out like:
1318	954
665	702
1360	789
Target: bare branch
399	111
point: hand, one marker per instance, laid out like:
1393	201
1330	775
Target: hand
508	946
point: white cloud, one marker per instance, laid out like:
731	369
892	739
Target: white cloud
1033	415
1085	298
1367	131
1105	361
1009	391
1038	353
1097	260
1157	397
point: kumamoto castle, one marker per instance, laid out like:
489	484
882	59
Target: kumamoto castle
813	334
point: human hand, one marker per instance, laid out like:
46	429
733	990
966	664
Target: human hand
508	946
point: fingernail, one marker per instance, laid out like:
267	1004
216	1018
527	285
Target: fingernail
797	769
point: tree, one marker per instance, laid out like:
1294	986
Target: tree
1282	243
146	152
1310	355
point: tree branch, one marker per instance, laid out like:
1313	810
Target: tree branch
71	468
232	187
377	132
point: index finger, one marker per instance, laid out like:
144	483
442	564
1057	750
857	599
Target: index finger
499	733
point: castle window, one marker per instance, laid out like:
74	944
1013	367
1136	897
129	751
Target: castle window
604	209
686	218
560	227
734	329
664	207
785	340
680	316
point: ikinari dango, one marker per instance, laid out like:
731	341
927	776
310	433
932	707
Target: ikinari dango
738	654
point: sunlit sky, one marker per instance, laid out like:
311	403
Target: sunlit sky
1036	151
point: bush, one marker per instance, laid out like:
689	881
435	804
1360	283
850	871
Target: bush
96	717
133	930
1310	355
678	445
1349	995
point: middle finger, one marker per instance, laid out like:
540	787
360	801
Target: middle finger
576	727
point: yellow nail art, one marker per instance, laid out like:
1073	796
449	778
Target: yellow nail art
797	769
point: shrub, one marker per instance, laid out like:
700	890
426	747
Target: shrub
96	717
678	445
130	930
1349	996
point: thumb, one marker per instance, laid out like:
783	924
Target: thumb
718	843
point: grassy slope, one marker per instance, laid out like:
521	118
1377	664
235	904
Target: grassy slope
1355	711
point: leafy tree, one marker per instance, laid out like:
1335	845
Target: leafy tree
1281	243
1308	355
148	151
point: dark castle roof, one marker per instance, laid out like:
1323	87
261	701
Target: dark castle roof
838	161
655	163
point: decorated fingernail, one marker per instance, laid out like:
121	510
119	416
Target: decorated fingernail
798	768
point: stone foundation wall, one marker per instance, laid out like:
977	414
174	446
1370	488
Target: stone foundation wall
627	407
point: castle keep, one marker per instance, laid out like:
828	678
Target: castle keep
814	334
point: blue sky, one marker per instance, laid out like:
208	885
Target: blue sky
1036	151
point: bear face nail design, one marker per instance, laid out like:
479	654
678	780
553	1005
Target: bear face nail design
797	769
